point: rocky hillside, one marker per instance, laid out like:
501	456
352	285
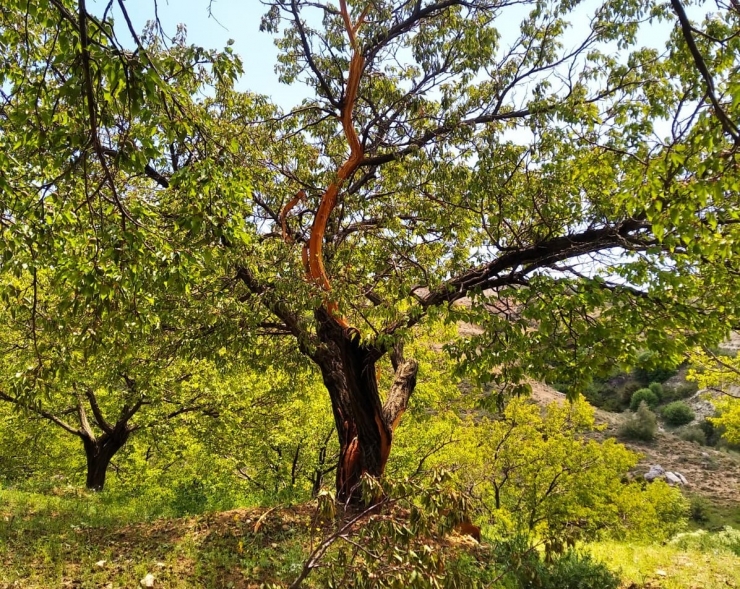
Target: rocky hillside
711	473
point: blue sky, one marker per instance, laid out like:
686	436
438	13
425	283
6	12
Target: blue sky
237	19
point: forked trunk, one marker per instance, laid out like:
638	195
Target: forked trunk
364	424
99	452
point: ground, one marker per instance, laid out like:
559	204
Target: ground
76	540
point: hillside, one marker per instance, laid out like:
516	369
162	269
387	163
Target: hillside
711	473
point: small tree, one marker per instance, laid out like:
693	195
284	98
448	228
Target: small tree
677	413
643	396
537	475
641	426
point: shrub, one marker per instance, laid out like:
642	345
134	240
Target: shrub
657	389
647	371
726	539
699	510
683	391
627	390
642	425
712	433
574	570
693	434
570	570
641	395
677	413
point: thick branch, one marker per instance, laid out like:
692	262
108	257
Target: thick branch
84	423
274	304
43	413
97	413
401	389
533	257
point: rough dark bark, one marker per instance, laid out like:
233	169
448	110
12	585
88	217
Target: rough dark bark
364	425
99	452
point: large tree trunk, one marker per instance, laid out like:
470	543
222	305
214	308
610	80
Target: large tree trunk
364	424
99	452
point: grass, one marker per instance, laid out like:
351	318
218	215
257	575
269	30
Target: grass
84	540
668	566
90	541
713	516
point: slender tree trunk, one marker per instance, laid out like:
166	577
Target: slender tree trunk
364	424
99	452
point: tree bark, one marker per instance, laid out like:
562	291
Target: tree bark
364	424
99	452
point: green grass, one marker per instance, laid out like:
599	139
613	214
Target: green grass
62	541
669	566
86	540
708	515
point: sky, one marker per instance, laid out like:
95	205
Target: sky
239	20
236	19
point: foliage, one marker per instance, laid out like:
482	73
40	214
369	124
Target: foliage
699	510
712	433
643	395
653	367
726	539
642	425
657	389
149	210
682	391
576	570
539	478
694	434
677	413
721	374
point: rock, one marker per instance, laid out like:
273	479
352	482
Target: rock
675	478
656	471
148	581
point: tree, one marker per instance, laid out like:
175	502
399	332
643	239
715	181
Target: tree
536	474
720	374
101	318
435	205
106	397
438	161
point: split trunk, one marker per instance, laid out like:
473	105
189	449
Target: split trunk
365	424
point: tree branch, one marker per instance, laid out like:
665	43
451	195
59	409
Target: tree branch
727	125
401	389
43	413
97	413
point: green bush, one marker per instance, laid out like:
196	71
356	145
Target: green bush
712	433
727	539
677	413
693	434
657	389
641	395
642	425
574	570
189	498
647	371
683	391
628	389
699	510
570	570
